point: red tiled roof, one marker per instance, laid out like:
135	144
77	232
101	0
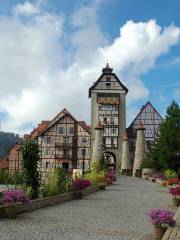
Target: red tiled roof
85	126
4	163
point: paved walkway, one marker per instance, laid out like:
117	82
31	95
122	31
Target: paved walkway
120	213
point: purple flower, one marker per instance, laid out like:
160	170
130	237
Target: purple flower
161	217
112	175
14	196
159	176
80	184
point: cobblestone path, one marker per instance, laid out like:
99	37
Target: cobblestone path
120	212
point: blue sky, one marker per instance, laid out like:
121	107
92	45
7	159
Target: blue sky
52	42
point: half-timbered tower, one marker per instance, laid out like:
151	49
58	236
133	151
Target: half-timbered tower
151	121
108	107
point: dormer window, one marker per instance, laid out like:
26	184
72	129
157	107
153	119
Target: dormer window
108	79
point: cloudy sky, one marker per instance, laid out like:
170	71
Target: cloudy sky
52	51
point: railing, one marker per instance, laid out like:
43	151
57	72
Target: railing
62	144
64	156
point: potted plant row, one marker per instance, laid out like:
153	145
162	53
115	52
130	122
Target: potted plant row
79	185
9	200
161	219
175	192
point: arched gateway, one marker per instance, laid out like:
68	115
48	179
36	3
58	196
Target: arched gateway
108	108
110	159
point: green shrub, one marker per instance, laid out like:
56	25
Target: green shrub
4	177
94	176
18	179
49	188
170	173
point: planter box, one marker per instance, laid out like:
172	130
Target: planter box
47	201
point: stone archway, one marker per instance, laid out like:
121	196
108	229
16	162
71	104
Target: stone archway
110	158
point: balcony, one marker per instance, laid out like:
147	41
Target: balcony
64	145
63	156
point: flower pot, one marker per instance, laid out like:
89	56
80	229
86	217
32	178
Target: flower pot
102	186
10	212
176	202
78	195
145	177
163	183
159	232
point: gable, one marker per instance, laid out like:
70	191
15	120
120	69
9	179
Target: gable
108	81
151	120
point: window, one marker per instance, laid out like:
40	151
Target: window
108	84
61	130
71	130
47	164
105	120
48	140
82	152
47	151
115	142
114	131
108	79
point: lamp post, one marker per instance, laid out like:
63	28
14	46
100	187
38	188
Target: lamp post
83	154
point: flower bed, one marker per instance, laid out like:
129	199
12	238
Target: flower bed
47	201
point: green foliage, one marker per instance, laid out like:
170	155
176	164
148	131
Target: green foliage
170	173
164	154
18	179
103	163
4	177
61	180
94	176
30	161
49	188
96	166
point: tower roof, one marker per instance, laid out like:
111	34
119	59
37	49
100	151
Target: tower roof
109	72
107	69
99	126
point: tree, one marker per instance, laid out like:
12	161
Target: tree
30	162
166	149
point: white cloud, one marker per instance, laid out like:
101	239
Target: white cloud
26	8
40	74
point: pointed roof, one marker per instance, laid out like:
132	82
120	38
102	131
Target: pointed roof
61	115
99	126
107	71
141	111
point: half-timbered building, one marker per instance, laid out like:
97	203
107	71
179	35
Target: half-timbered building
151	120
65	143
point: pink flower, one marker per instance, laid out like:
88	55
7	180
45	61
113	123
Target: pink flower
175	191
